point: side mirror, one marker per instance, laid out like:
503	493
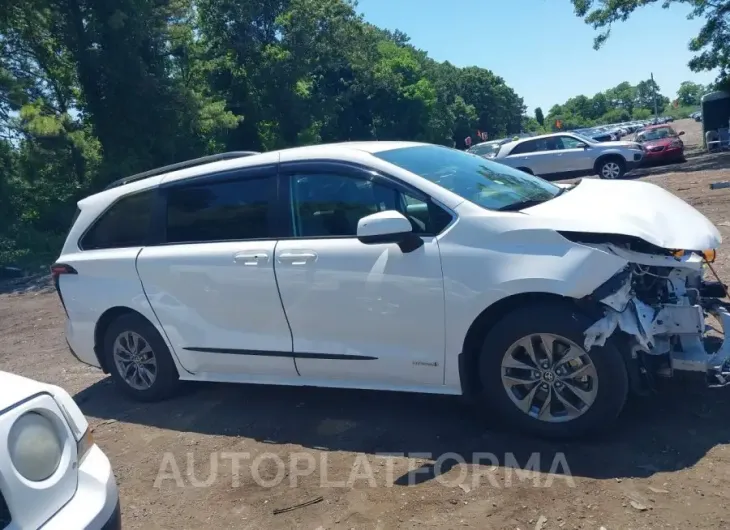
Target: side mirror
681	133
384	227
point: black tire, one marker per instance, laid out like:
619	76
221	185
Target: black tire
602	163
166	378
525	170
564	321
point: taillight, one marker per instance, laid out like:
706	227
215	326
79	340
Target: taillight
57	269
61	268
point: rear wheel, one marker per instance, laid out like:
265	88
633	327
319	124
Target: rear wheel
539	378
139	360
611	168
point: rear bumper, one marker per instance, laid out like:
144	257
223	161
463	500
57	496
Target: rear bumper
95	505
80	340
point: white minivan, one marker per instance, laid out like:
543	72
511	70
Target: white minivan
393	266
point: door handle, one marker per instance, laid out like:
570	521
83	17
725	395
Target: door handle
249	258
297	258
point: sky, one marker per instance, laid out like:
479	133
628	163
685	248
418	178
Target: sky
541	49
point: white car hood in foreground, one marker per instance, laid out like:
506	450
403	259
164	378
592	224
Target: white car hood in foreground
16	388
630	208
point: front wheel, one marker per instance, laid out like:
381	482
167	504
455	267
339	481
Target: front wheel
611	169
537	375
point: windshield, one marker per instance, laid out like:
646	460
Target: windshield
488	150
585	138
656	134
489	184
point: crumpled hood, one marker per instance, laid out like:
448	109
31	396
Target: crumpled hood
16	388
629	208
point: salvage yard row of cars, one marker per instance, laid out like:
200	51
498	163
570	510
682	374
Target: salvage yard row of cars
575	154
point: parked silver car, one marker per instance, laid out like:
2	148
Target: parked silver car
567	155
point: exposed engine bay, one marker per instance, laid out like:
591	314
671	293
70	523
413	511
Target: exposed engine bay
660	301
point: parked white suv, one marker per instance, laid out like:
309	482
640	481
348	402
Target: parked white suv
392	266
52	475
568	155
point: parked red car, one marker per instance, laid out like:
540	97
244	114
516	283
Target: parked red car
661	143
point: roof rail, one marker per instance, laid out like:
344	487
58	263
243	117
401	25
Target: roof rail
181	165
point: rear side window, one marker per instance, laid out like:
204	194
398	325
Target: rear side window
125	224
529	146
221	211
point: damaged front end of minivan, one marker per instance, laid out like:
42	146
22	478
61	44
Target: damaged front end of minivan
660	302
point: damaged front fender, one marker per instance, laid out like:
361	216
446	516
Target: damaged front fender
670	320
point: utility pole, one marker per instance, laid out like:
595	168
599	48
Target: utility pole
653	93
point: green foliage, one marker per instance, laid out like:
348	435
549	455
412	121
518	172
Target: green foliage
712	44
621	103
681	112
690	93
91	91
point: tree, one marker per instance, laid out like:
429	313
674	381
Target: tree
93	90
539	116
620	103
712	44
689	93
645	93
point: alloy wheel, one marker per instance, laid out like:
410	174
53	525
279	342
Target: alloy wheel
610	170
135	360
549	378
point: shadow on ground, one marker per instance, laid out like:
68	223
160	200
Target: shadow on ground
665	432
695	162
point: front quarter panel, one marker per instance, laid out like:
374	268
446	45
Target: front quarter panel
489	256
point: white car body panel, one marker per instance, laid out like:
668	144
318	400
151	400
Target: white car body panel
219	296
379	309
106	279
489	256
81	493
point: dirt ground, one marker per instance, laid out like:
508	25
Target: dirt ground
665	465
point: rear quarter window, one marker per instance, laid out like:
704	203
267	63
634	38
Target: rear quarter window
529	146
125	224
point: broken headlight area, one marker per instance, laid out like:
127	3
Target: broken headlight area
661	304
